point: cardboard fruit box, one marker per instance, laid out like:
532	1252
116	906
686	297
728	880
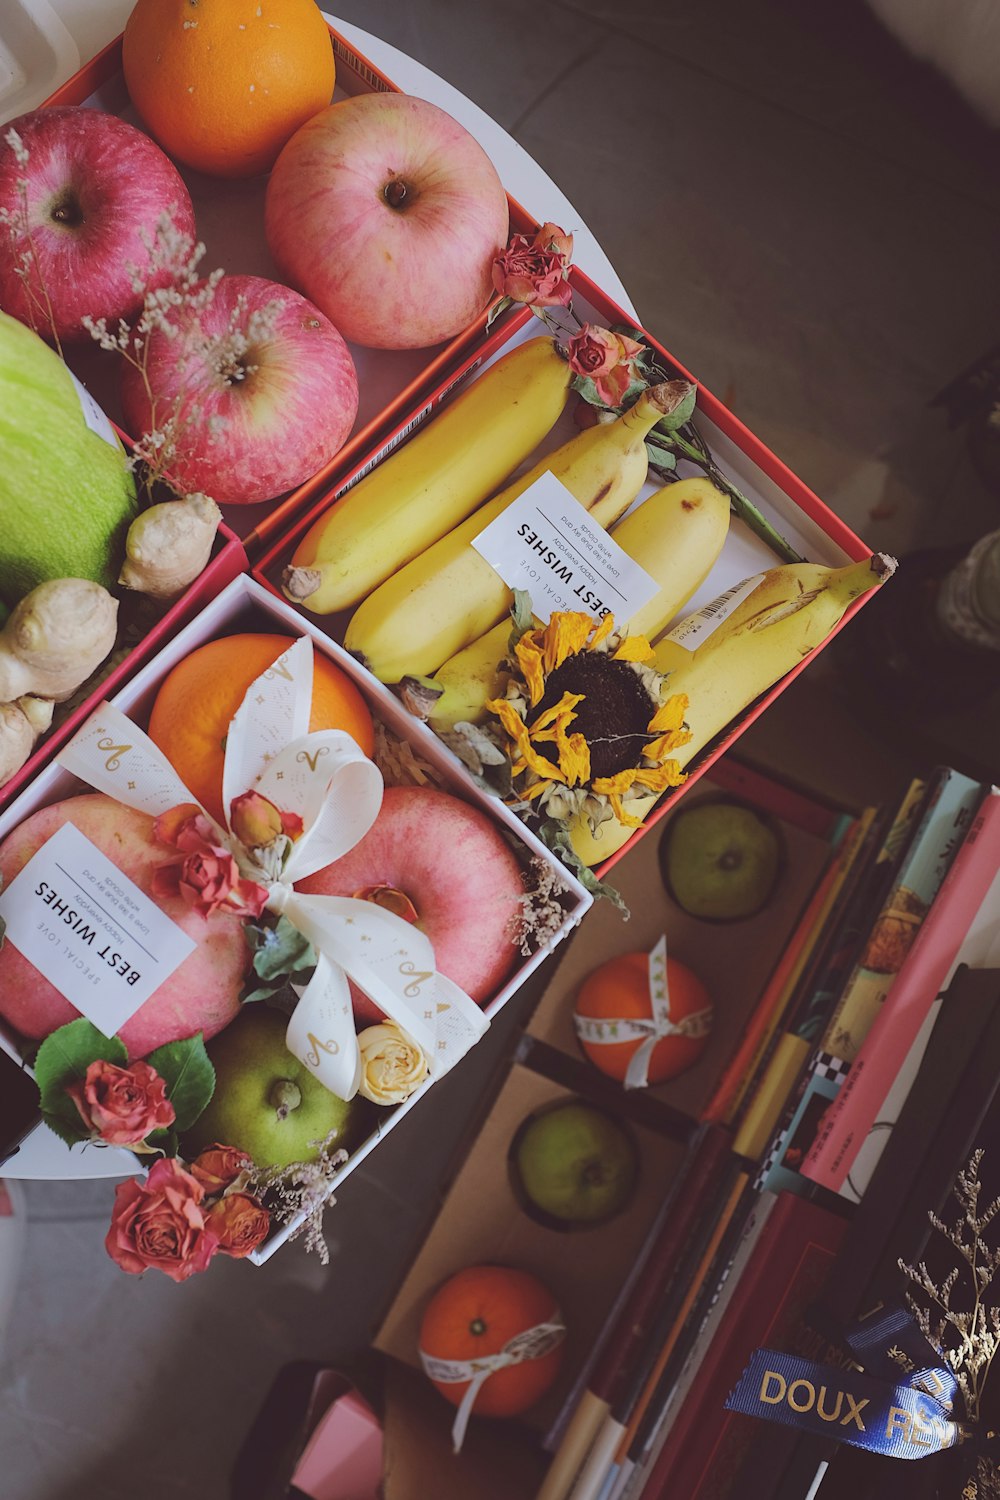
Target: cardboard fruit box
230	221
811	529
482	1221
242	606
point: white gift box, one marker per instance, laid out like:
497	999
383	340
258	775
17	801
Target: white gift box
245	605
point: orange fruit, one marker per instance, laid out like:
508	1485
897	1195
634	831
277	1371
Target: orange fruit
619	991
197	700
476	1313
223	84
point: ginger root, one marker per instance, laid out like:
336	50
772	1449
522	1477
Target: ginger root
21	723
169	545
55	638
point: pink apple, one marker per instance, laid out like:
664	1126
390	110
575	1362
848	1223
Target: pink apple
388	214
202	994
453	870
93	186
262	420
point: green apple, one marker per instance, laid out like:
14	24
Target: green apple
720	859
266	1102
574	1165
67	497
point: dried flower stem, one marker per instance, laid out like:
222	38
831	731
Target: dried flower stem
28	268
968	1340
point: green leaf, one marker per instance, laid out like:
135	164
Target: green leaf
555	835
189	1076
585	387
661	459
63	1127
522	615
279	950
500	306
64	1057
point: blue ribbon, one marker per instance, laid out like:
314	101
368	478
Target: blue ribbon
871	1408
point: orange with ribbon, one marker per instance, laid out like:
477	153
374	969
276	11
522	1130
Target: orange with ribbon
643	1018
492	1339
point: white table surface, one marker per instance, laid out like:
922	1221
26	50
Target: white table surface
91	24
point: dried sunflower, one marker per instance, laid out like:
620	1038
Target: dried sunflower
588	720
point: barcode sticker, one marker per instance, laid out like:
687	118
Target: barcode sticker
696	629
404	432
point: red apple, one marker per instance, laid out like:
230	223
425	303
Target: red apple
203	992
442	864
93	186
388	214
266	417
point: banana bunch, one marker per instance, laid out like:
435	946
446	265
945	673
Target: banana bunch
431	483
676	535
449	595
791	611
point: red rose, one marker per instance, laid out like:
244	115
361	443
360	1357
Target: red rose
533	269
207	876
240	1223
158	1224
606	358
217	1166
122	1105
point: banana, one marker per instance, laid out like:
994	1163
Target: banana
676	535
791	611
432	482
449	595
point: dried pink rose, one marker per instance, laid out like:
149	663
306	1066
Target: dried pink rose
533	268
240	1222
256	821
217	1166
122	1105
606	358
159	1225
207	876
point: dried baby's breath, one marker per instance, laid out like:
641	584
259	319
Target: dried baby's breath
967	1339
302	1189
541	911
17	226
175	311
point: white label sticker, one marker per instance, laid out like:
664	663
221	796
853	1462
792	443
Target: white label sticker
93	414
90	930
697	628
547	543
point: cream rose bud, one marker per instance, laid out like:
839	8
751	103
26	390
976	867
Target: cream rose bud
391	1065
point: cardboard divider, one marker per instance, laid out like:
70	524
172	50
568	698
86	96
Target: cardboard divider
481	1221
243	606
812	529
230	221
733	959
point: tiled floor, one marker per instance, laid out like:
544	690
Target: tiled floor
810	222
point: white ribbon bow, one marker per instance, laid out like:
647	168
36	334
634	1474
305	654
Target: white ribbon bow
599	1031
337	791
533	1343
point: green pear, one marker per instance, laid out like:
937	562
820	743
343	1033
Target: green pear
67	497
266	1102
574	1164
721	860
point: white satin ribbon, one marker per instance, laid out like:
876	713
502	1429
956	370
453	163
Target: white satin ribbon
337	791
533	1343
608	1031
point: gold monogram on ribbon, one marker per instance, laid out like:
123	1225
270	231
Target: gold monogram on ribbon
336	790
599	1030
